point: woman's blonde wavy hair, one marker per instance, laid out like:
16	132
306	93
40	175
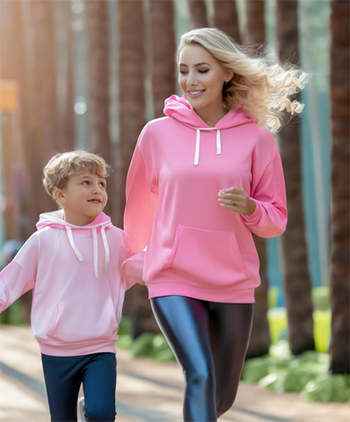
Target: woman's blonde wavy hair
262	88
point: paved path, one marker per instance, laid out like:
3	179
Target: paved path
147	391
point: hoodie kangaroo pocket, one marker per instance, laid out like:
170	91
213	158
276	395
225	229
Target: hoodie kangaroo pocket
208	258
76	322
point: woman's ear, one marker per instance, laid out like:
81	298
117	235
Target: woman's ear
229	75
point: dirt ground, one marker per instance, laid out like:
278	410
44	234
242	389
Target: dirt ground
147	390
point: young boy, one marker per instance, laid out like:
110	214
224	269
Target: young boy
77	265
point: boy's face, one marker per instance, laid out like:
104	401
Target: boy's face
83	198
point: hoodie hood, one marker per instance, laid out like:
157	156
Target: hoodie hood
181	110
56	220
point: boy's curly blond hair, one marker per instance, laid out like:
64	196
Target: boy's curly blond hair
63	166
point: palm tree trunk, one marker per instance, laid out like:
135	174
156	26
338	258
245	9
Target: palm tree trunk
339	347
260	339
45	88
131	94
198	13
66	111
255	12
297	281
163	52
226	18
132	119
98	82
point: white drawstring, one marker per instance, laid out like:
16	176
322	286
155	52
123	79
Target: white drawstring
198	141
218	142
94	235
105	244
95	243
74	246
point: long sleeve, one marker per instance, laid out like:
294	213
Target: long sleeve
19	276
141	198
268	191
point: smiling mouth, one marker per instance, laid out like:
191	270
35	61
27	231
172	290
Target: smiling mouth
95	201
195	93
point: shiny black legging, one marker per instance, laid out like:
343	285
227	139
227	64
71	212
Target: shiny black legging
210	342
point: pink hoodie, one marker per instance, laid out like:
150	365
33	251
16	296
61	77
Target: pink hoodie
79	275
195	247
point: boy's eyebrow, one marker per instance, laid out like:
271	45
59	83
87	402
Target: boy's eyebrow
90	176
198	64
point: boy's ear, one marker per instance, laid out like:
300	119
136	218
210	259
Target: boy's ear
58	196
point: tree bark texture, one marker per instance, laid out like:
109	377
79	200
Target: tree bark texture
226	18
255	30
132	97
98	60
163	52
297	282
198	13
260	339
340	216
42	62
66	111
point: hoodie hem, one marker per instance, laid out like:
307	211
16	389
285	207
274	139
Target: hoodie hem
76	350
217	294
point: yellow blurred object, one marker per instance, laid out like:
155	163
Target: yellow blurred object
278	322
322	327
322	330
8	95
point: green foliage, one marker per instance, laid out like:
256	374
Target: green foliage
124	341
160	349
328	388
306	374
142	346
15	312
320	298
124	326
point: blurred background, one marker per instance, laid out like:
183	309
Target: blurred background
88	74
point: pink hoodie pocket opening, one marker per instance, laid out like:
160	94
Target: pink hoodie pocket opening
77	322
207	258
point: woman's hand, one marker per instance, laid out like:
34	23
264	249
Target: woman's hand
235	199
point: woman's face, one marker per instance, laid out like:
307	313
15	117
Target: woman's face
201	78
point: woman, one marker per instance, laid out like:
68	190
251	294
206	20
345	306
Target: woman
201	180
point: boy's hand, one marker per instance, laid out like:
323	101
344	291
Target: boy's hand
235	199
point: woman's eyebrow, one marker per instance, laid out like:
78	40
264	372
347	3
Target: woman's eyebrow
198	64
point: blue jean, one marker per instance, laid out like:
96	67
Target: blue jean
63	378
210	341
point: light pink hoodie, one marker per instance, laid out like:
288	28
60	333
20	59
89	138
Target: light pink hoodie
79	275
195	247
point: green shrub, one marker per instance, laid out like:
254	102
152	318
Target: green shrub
320	298
142	346
124	341
328	388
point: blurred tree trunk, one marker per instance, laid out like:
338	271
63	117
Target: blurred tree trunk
163	52
13	66
45	89
66	106
198	13
226	18
98	59
297	281
10	74
132	119
260	339
339	347
255	13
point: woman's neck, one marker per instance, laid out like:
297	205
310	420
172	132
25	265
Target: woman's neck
212	117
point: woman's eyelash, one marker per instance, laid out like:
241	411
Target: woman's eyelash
200	71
